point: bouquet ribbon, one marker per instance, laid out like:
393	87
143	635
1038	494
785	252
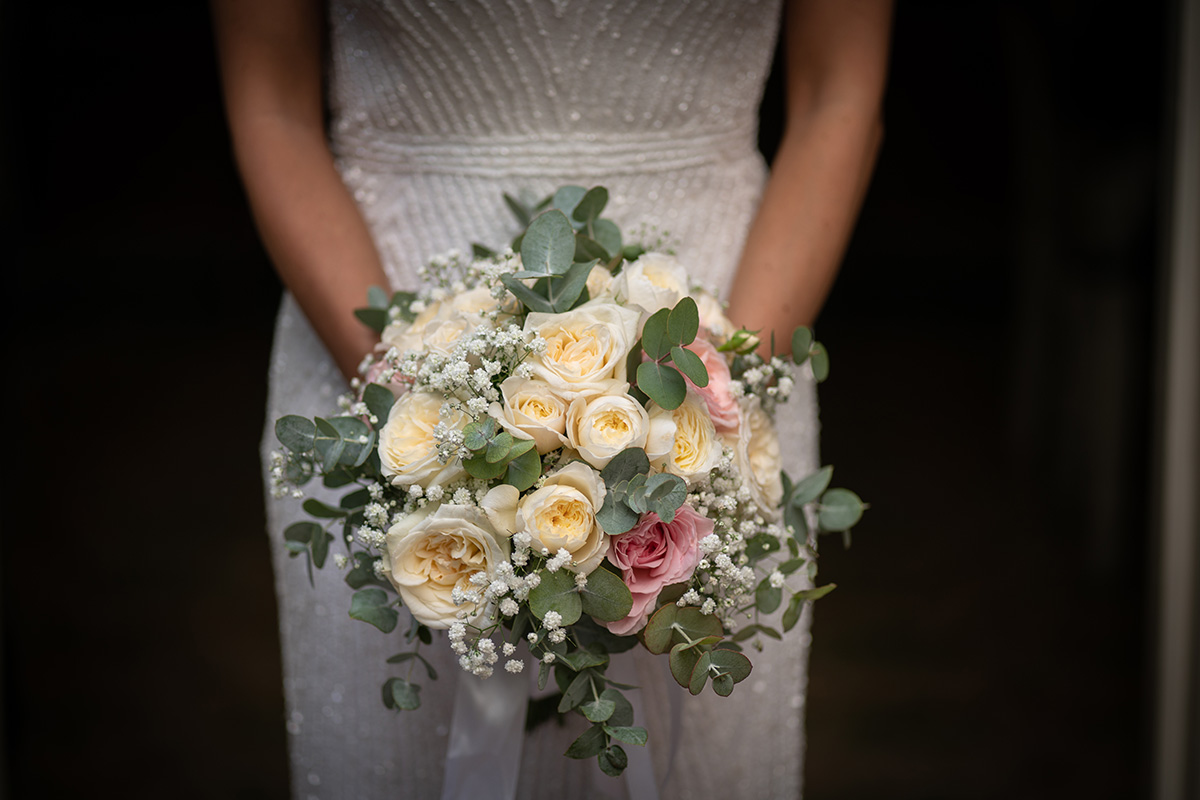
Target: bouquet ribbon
487	732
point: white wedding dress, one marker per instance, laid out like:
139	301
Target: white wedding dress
437	109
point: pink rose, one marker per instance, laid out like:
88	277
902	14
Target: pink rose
655	554
398	385
722	406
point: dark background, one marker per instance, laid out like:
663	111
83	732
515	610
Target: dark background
992	335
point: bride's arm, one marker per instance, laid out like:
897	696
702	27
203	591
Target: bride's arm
837	53
270	58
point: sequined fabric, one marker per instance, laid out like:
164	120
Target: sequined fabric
438	108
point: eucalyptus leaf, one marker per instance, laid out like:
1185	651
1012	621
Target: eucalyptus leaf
811	487
356	499
498	447
699	674
377	298
302	532
817	593
623	715
624	465
754	630
665	494
402	301
690	365
580	660
591	205
654	334
556	592
476	435
683	660
840	510
587	249
563	295
683	322
591	743
295	433
363	571
767	597
598	710
372	606
320	510
606	597
627	734
567	198
374	318
320	548
820	362
723	685
802	339
616	517
732	663
479	467
613	761
528	297
405	696
576	692
480	251
379	400
794	518
606	233
662	383
791	615
524	470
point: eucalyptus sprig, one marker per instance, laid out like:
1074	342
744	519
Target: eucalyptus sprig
665	336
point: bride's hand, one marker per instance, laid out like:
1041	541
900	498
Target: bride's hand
270	59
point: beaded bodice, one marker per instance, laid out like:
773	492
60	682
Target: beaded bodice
530	94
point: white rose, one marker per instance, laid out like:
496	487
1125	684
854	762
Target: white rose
712	317
600	427
599	283
560	515
444	332
585	348
532	410
654	281
758	457
477	301
696	449
430	554
407	448
405	336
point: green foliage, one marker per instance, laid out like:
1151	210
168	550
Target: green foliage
342	440
627	734
613	761
296	433
754	630
839	510
497	452
374	607
811	487
548	247
672	625
322	511
820	362
767	597
664	337
592	742
401	695
802	341
556	592
606	597
379	400
363	572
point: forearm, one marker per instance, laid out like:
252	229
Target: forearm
804	221
312	229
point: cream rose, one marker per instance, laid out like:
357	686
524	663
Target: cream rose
405	336
532	410
758	457
654	281
712	317
560	515
432	553
696	448
599	283
407	448
600	427
585	348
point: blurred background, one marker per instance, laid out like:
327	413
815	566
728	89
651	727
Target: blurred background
996	395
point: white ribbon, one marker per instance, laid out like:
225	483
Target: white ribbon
483	759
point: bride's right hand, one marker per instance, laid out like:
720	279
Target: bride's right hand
269	53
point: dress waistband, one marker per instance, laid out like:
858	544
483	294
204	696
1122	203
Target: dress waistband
598	154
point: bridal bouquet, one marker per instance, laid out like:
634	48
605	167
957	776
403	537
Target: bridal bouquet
560	452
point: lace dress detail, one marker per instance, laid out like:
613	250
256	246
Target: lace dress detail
437	109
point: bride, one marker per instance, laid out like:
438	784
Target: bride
437	108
